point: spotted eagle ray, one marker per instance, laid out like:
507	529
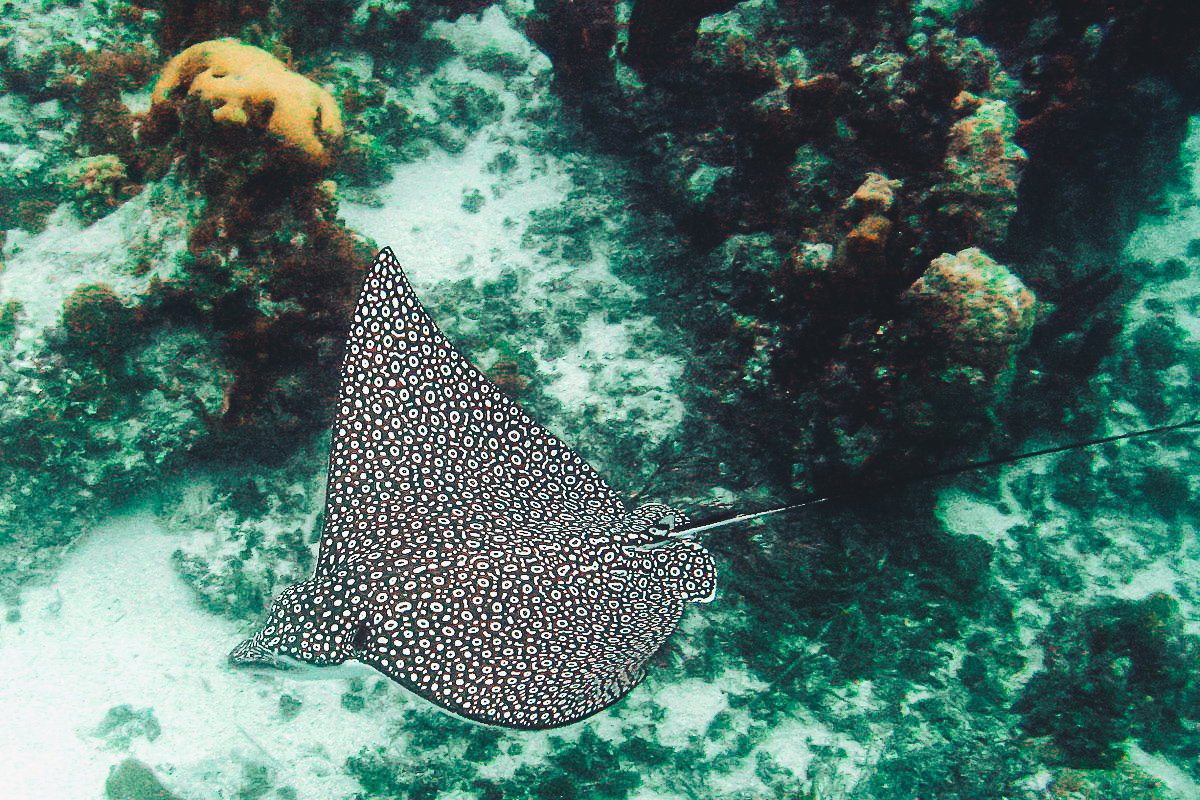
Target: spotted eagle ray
467	553
474	558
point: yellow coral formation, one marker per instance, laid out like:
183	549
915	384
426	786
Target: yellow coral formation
247	85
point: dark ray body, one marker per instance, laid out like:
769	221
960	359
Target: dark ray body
468	553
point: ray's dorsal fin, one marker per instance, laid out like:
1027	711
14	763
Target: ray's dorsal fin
706	526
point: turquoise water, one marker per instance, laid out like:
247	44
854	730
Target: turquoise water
733	259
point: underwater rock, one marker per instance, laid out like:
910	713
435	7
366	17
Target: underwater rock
73	108
97	325
662	32
1116	671
983	171
98	83
741	267
728	49
828	289
94	425
96	185
861	256
875	196
897	391
577	36
980	311
239	86
122	724
967	318
25	188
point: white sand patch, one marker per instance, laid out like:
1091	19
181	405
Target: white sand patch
606	366
966	514
490	31
1158	238
436	240
794	745
421	216
691	705
118	627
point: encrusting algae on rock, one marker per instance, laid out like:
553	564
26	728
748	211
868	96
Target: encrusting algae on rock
968	318
249	86
984	312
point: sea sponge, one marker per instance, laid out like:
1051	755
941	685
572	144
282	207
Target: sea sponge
249	86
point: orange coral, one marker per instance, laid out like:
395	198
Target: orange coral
875	196
247	85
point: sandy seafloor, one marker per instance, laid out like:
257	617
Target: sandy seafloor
119	627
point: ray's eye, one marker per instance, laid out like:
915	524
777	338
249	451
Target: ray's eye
362	638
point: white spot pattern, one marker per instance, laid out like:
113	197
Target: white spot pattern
468	553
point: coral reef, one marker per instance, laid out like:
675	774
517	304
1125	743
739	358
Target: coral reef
797	107
983	171
661	32
268	261
97	185
1113	673
978	311
66	84
853	241
245	87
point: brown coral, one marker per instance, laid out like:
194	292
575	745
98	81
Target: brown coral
862	254
249	86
